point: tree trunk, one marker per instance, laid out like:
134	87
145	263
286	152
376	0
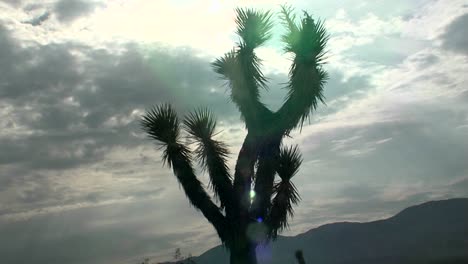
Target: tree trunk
244	253
242	249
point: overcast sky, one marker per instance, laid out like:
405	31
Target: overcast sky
80	183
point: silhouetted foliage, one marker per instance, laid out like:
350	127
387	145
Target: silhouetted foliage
262	155
299	257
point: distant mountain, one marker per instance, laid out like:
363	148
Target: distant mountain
434	232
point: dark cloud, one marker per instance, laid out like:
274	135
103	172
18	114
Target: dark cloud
61	242
35	190
55	151
37	21
14	3
75	104
455	37
103	234
36	73
337	86
33	6
393	55
425	60
69	10
78	102
8	52
402	151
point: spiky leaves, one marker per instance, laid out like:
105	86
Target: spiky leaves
290	160
307	42
254	27
288	19
212	154
241	67
161	124
286	193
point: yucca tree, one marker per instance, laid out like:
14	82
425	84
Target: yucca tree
242	220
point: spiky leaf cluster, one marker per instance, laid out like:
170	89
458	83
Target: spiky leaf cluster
307	39
162	124
254	27
240	67
212	154
286	193
200	124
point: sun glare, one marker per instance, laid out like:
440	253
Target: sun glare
216	5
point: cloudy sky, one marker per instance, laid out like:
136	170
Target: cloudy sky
80	183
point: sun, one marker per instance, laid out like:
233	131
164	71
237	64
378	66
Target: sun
216	5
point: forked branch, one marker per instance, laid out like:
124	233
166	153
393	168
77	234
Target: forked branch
162	124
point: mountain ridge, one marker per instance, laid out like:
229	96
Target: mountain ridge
431	232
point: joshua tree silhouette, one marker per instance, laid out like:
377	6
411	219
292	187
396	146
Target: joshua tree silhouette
253	208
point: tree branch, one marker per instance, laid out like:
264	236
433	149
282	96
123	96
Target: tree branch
241	70
286	193
307	76
265	175
196	194
241	67
244	172
211	153
162	124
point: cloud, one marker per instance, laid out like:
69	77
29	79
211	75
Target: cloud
69	10
386	152
14	3
359	192
425	24
70	135
91	234
72	102
129	226
456	36
37	21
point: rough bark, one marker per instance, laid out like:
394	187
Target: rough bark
243	252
